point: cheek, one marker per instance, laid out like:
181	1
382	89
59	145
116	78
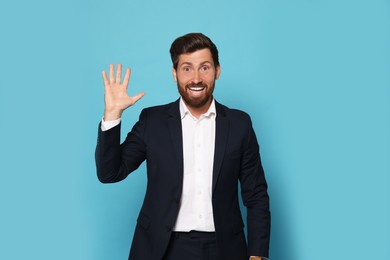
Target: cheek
182	83
210	80
182	79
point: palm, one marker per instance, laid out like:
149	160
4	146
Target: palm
116	98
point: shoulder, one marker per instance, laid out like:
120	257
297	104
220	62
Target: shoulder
153	117
160	112
233	113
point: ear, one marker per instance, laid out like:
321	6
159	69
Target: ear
217	72
174	74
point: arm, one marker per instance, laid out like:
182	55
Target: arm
113	160
255	196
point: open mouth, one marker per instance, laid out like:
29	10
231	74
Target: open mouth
196	92
196	88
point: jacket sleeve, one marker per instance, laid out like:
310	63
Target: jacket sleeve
255	196
114	161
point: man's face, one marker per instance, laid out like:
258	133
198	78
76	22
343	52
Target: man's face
195	77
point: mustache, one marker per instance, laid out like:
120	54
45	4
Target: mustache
196	85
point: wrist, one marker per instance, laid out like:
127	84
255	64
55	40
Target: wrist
112	115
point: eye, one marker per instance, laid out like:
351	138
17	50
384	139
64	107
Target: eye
187	69
204	68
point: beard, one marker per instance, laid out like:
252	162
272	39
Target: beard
196	102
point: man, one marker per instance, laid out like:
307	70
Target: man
196	152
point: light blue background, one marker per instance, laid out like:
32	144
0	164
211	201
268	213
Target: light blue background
314	75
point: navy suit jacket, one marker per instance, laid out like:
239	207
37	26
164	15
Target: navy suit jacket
157	138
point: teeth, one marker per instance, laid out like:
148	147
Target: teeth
196	89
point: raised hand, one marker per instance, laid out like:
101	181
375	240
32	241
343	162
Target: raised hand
116	99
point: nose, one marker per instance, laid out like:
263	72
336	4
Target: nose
197	79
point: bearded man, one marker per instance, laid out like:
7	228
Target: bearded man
197	151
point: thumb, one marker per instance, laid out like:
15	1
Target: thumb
137	97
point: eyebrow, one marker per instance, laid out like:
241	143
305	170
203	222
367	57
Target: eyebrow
190	63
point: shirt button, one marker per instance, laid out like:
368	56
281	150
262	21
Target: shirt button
200	216
199	193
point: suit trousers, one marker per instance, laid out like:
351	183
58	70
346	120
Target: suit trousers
193	245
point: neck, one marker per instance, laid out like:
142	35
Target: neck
198	111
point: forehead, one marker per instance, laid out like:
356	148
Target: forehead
196	57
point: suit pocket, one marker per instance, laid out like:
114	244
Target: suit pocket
143	220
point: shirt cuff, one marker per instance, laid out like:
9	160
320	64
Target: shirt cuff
107	125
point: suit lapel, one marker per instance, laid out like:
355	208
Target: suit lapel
174	124
221	134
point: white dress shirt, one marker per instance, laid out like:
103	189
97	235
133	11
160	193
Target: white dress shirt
196	211
107	125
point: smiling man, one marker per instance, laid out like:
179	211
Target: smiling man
197	151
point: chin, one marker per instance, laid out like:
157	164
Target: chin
197	103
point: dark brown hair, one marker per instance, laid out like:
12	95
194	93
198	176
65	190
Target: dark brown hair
190	43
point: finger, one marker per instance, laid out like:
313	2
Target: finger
118	73
105	80
138	97
127	77
111	73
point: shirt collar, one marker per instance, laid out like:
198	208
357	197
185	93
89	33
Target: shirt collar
184	109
